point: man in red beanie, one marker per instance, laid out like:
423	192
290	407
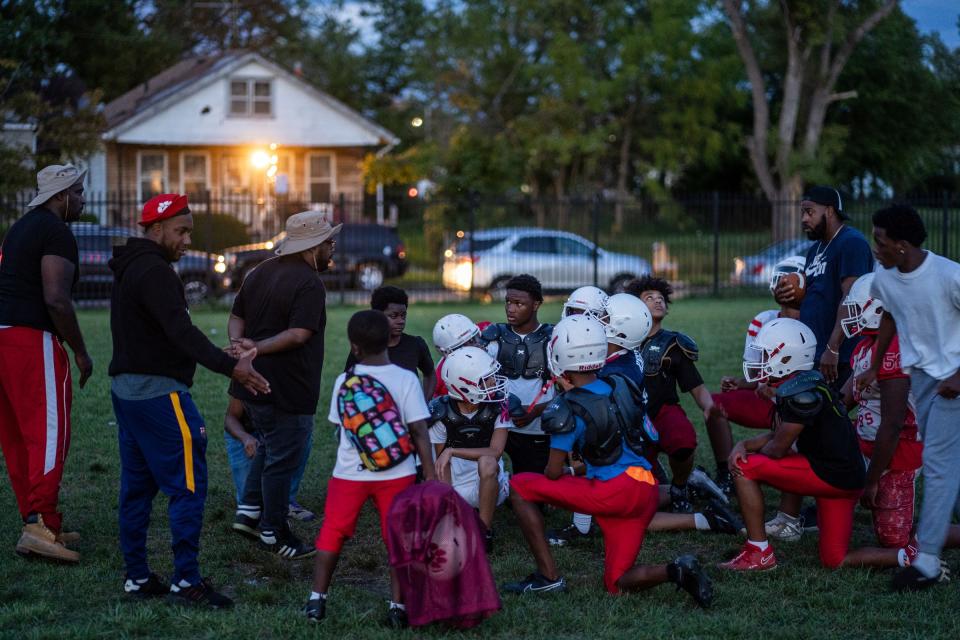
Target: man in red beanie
162	436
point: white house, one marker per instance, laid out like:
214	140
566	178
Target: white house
237	133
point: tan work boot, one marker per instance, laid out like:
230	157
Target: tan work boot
68	537
37	538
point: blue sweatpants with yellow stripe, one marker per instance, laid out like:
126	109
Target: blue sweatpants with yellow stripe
163	446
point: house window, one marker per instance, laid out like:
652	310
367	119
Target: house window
151	174
251	97
321	176
236	176
195	175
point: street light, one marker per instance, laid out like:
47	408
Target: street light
259	159
417	122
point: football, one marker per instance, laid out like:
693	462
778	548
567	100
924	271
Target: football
798	282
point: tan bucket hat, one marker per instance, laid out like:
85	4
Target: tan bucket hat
54	179
306	230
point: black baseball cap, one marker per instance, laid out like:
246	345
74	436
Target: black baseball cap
827	196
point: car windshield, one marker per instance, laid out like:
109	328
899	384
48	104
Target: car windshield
785	247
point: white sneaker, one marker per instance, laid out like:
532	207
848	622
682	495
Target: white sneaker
784	527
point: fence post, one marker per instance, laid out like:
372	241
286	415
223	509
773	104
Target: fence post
595	233
471	228
716	244
945	227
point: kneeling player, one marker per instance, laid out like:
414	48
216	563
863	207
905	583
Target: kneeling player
469	430
598	416
827	465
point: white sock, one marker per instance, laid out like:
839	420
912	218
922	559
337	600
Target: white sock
700	521
249	510
582	522
759	544
317	596
902	559
398	605
927	564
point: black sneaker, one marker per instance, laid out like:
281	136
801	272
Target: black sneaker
535	583
152	586
286	545
316	609
200	594
911	579
680	499
397	618
725	481
703	487
246	526
808	518
570	533
722	519
686	572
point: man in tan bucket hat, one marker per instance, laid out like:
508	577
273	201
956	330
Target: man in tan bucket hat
39	265
281	311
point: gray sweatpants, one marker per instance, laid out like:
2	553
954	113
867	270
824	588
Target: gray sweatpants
939	423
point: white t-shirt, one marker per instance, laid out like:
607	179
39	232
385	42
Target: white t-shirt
925	304
407	393
753	330
526	390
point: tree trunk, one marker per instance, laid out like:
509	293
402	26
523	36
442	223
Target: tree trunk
623	167
785	209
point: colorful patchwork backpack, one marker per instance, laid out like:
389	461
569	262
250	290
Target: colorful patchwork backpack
372	422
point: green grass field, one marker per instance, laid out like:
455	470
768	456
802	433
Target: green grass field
798	600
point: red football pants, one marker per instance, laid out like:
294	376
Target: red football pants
345	499
35	399
835	506
746	408
677	435
623	508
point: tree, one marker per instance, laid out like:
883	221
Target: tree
820	36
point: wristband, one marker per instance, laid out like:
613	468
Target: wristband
833	351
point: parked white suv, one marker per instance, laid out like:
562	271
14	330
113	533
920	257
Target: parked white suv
562	261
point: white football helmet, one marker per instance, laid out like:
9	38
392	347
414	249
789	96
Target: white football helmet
589	300
863	311
627	321
452	331
470	374
793	264
579	343
782	347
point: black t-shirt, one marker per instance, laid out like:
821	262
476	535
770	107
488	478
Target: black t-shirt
829	442
411	353
285	293
677	370
40	232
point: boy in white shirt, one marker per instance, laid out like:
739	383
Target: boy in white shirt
354	478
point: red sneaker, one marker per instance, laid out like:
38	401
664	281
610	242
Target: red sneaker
751	558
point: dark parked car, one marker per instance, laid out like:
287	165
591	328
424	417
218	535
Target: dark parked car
202	273
366	255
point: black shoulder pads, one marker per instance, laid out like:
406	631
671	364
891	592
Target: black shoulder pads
438	408
490	334
688	346
803	404
558	417
802	381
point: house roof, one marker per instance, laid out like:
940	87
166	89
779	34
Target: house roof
194	73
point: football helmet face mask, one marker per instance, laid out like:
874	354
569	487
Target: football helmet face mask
579	343
627	321
861	310
793	264
782	347
470	374
452	331
585	300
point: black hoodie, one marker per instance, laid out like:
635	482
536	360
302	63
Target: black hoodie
151	327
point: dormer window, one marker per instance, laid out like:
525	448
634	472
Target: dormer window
251	97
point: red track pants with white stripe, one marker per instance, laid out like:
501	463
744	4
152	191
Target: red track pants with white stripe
35	399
